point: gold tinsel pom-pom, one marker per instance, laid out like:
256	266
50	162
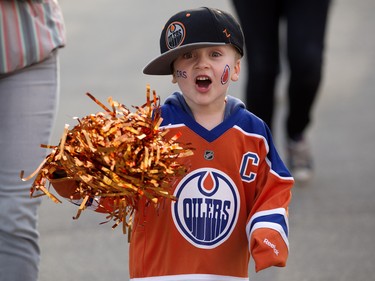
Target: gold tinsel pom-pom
116	155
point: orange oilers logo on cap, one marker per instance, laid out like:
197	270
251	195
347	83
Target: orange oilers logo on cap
175	35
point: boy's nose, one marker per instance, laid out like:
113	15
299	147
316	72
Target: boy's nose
201	62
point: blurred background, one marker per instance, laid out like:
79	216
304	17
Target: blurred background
331	219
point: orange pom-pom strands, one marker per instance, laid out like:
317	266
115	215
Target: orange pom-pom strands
113	159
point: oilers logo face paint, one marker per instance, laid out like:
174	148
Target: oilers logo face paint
207	207
225	75
175	35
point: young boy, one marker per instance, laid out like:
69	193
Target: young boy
233	202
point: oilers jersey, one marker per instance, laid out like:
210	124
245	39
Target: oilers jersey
231	205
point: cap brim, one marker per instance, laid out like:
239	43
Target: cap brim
162	65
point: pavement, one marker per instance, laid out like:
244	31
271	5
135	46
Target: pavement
331	219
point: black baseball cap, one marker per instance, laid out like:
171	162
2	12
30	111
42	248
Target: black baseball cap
191	29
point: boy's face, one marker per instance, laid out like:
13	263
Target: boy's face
204	74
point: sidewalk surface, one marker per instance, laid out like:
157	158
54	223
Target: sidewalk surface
332	219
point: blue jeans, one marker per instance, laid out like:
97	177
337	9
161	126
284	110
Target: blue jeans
28	106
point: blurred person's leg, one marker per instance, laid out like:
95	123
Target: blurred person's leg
260	22
306	26
28	102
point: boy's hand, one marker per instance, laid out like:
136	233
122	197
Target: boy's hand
64	186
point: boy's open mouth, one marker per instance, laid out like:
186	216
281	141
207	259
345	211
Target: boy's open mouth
203	81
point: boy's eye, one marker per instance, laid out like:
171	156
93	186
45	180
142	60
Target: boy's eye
215	54
187	55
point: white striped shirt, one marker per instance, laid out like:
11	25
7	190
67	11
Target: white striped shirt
29	31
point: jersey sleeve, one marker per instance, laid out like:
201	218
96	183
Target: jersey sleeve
268	234
267	226
66	187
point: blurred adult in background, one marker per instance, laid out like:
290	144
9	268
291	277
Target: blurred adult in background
30	34
306	22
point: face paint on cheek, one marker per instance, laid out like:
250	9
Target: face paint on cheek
225	76
181	74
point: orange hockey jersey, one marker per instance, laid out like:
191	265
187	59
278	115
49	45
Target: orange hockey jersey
232	204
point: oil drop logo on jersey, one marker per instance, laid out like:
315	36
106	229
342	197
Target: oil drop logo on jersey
207	207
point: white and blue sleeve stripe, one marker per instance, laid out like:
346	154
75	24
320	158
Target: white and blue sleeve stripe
275	219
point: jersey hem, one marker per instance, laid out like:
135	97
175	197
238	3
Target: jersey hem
190	277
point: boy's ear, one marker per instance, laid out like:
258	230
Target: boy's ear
174	80
236	71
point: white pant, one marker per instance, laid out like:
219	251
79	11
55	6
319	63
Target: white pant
28	106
